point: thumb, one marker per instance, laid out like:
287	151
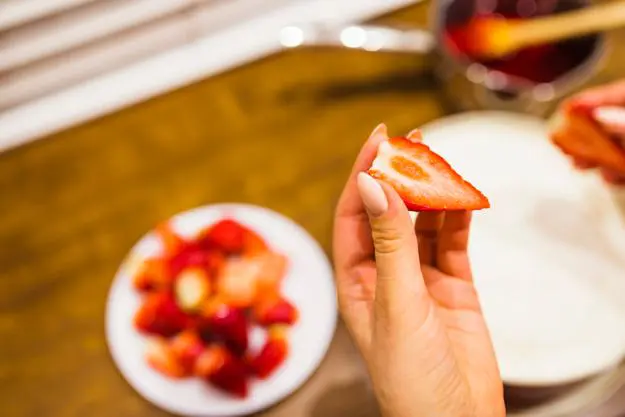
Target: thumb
611	118
399	284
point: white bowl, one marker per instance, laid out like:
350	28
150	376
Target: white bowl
548	257
309	284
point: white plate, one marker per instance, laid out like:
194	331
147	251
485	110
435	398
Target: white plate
548	257
309	284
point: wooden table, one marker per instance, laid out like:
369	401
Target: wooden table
280	133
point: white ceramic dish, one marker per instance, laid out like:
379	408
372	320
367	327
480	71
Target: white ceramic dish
309	284
548	257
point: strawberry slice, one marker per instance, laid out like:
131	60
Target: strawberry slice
423	179
237	281
224	370
186	348
192	288
270	274
160	315
275	310
227	323
152	275
272	355
226	235
577	134
160	357
192	255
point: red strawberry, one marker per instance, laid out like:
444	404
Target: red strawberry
578	135
254	244
160	315
423	179
275	310
272	355
152	275
192	287
194	256
226	235
159	356
224	370
227	323
187	347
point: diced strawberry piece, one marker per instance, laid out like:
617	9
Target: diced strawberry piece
160	357
237	281
272	355
423	179
160	315
254	244
171	241
187	348
194	256
275	310
152	275
271	272
227	323
232	376
226	235
578	135
224	370
192	288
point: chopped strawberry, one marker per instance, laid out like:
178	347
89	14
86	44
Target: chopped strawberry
254	244
192	288
152	275
171	241
224	370
578	135
160	315
270	274
226	235
236	284
160	357
187	348
228	323
194	256
423	179
272	355
275	310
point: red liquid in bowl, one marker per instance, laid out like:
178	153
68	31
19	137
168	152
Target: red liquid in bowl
540	64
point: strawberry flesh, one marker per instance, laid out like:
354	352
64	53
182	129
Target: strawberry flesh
161	358
187	347
160	315
423	179
225	371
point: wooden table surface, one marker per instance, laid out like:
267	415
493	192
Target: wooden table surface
280	133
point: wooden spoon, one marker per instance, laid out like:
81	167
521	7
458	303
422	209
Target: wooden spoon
494	37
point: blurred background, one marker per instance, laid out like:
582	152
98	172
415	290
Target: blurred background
116	114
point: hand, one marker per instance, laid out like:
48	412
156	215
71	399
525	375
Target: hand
407	296
607	106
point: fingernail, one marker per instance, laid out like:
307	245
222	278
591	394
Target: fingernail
380	133
372	195
614	116
415	136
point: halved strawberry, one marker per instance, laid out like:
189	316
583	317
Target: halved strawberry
227	235
192	288
237	281
160	315
187	347
270	274
160	357
224	370
227	323
192	255
275	310
423	179
578	135
272	355
152	275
